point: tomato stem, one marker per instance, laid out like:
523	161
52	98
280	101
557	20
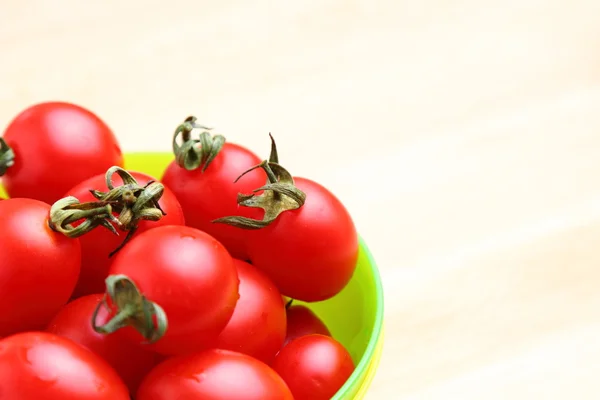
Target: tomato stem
7	157
270	174
279	194
195	153
273	156
131	201
132	309
68	210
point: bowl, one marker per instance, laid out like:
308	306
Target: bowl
354	316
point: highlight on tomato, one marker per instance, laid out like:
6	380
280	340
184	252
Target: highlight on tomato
40	365
50	147
132	362
213	375
146	204
258	324
314	367
172	287
306	242
203	175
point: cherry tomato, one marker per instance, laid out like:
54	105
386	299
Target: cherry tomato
213	375
310	252
38	266
99	243
131	362
39	365
211	194
314	367
301	321
257	327
57	145
190	275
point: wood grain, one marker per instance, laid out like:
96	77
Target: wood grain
464	136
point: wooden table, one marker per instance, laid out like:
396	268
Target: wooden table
463	135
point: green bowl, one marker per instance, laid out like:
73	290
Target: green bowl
354	316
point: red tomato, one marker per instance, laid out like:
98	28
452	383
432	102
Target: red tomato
314	367
97	244
310	252
190	275
57	145
257	327
301	321
131	362
43	366
206	196
38	266
213	375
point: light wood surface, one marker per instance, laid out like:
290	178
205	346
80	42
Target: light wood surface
463	135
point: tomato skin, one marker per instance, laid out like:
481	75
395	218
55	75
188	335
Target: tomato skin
301	321
56	146
314	367
311	252
131	362
206	196
43	366
258	324
213	375
97	244
190	275
38	266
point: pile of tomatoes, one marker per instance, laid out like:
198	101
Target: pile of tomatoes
118	285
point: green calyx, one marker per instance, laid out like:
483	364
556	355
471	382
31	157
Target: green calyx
131	309
195	153
131	201
279	194
68	210
7	157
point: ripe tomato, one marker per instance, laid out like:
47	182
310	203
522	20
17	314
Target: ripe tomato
314	367
211	194
99	243
213	375
38	266
301	321
190	275
38	365
257	327
131	362
57	145
310	252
